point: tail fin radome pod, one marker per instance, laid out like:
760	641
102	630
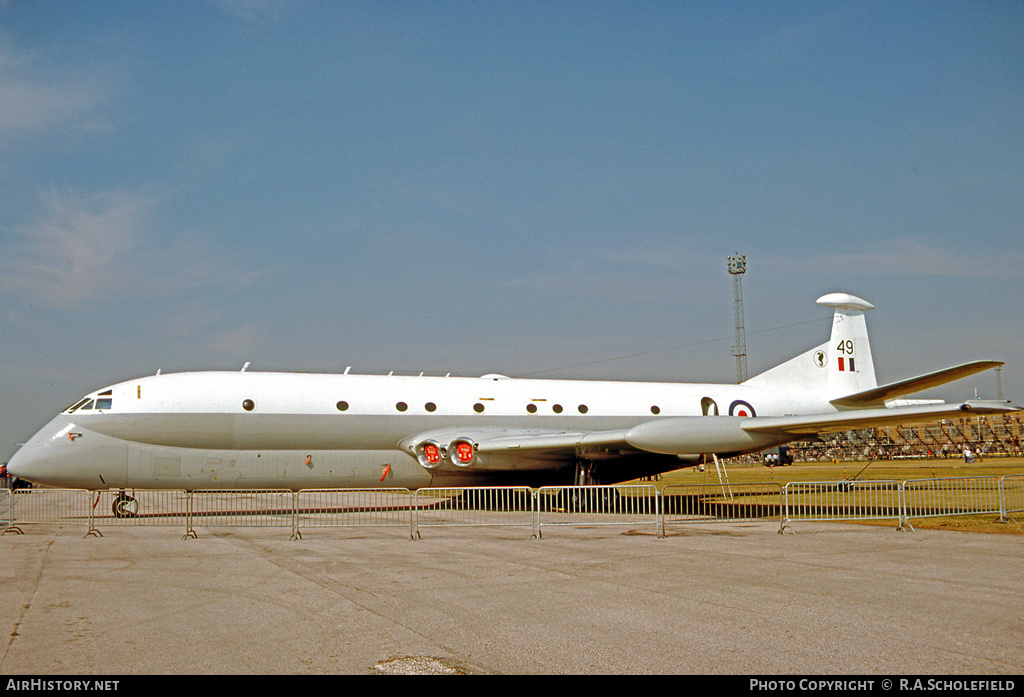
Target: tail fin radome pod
842	366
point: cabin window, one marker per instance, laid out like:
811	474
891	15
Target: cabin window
342	406
248	405
557	408
583	409
532	408
104	403
655	410
430	406
401	406
478	408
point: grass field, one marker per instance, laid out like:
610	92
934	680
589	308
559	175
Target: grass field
899	470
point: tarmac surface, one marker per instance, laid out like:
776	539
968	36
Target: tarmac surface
727	599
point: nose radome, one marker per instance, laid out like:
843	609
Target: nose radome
20	464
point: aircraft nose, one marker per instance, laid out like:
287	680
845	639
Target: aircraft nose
34	460
20	465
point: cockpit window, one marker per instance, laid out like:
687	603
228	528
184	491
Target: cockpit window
76	405
89	404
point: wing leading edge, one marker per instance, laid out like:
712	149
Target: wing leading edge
877	396
868	418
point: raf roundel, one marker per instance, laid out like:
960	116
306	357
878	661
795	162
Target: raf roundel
741	408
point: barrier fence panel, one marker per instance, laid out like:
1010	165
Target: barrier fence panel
633	504
61	506
1012	487
238	509
845	500
141	507
714	503
473	506
924	498
6	511
322	508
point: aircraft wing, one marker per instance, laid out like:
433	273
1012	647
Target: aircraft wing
506	449
868	418
877	396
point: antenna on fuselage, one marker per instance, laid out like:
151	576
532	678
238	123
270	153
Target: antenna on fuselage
247	364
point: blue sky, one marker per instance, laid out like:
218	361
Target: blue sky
522	187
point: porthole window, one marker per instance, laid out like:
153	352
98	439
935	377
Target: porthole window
342	406
401	406
532	408
583	409
557	408
430	406
248	405
478	408
655	410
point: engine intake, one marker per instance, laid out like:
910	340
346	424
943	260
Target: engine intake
462	452
430	454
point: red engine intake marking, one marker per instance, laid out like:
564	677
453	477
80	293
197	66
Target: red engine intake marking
464	451
431	453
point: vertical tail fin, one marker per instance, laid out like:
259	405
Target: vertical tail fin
852	369
839	367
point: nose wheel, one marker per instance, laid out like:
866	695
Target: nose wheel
125	506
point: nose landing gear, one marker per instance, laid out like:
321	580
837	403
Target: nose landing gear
125	506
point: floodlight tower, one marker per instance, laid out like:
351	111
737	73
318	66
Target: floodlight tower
738	267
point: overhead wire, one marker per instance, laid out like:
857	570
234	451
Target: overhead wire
663	350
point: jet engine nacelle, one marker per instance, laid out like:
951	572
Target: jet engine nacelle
686	435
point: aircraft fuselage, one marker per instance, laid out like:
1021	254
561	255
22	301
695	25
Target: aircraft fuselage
296	430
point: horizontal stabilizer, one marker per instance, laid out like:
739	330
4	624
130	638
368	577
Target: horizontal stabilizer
872	418
877	396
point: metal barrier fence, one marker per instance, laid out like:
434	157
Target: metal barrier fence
332	508
6	503
1012	488
597	505
536	509
473	507
146	507
845	500
933	498
713	503
61	506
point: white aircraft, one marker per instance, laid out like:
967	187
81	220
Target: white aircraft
253	430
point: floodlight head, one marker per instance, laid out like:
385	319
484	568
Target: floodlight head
738	264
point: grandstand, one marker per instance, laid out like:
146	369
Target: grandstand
987	436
